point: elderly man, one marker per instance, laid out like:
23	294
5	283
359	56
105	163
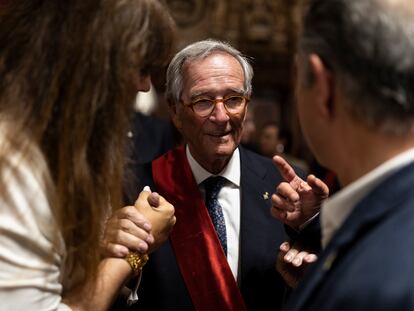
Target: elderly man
356	106
221	253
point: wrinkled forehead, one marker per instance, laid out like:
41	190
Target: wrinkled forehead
213	72
213	57
403	7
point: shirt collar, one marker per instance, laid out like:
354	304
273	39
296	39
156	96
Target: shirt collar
336	209
231	171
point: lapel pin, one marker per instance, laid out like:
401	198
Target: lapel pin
266	196
329	261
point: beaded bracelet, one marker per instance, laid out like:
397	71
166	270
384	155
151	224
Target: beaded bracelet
136	261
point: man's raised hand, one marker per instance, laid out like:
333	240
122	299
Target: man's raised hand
296	201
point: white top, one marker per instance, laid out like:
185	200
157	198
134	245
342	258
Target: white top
229	199
31	249
336	209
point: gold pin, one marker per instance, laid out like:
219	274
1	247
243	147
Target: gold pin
266	196
329	261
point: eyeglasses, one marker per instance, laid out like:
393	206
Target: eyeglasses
204	106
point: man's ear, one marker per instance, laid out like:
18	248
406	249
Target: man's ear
172	108
323	84
245	111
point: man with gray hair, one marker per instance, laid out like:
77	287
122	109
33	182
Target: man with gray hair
355	90
221	253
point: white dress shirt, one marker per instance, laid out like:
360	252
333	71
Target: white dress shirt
336	209
229	199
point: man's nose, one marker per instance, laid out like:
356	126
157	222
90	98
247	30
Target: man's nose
219	113
143	83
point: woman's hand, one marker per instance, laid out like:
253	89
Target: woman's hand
142	227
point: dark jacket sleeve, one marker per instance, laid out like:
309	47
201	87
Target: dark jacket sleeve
309	238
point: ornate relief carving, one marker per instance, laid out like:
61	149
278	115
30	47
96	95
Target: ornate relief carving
266	25
260	19
266	30
263	29
224	21
186	13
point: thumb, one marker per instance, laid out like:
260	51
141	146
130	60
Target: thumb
142	198
154	199
318	186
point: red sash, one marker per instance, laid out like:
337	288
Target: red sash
197	249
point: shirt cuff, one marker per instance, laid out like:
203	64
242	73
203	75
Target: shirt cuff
133	296
303	226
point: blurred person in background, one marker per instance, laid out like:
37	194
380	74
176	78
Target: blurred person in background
150	136
248	131
274	140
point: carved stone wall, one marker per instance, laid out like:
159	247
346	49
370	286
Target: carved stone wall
265	30
262	29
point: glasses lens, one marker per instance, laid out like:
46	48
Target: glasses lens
234	103
203	106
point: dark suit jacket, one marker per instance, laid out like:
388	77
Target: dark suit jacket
369	263
162	286
151	137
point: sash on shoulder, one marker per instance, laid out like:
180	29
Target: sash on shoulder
197	249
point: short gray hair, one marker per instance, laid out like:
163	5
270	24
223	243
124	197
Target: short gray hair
200	50
369	45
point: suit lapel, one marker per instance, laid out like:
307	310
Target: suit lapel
383	200
253	197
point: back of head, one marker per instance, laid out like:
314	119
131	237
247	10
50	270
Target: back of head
68	71
201	50
369	46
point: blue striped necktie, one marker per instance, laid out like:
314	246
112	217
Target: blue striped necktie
212	186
